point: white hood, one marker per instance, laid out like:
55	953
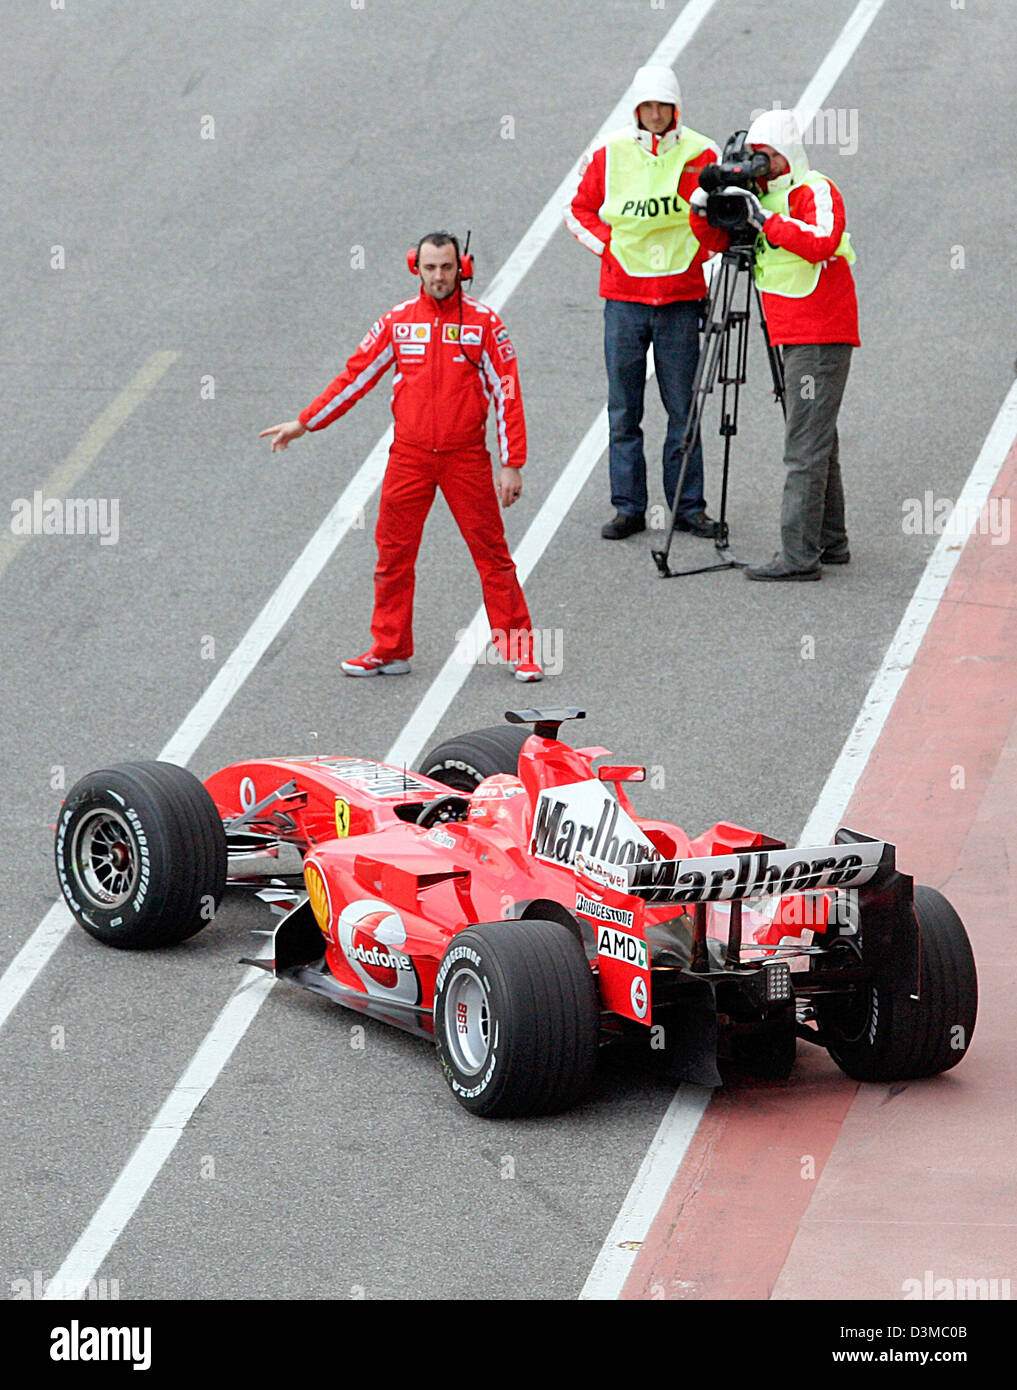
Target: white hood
655	82
781	130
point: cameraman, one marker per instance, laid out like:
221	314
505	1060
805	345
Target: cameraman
803	260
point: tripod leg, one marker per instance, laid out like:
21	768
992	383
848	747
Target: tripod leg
775	358
718	318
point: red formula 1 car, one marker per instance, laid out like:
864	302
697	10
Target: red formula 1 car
509	903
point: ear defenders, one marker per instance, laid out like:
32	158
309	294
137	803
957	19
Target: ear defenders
463	258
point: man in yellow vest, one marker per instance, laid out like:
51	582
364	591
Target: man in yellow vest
632	210
803	260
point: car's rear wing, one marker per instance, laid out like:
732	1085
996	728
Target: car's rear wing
755	873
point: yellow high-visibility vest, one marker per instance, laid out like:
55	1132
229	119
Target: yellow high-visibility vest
649	221
779	271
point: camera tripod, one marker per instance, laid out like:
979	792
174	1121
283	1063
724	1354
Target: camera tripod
723	357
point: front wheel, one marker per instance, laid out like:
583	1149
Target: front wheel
881	1032
516	1018
141	855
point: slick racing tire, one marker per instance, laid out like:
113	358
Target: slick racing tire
516	1018
141	855
464	762
880	1033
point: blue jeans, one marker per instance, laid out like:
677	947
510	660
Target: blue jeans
629	330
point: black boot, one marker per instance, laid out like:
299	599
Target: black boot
623	524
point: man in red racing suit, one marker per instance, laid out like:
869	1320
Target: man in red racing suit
452	357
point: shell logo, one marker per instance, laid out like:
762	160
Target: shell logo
317	892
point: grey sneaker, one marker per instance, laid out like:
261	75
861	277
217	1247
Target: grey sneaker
777	569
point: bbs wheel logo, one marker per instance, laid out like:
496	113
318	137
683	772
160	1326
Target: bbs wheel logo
372	936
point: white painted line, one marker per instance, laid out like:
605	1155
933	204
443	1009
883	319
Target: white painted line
615	1261
836	60
280	607
87	450
656	1173
550	219
144	1165
34	954
900	655
72	1279
20	974
614	1264
452	676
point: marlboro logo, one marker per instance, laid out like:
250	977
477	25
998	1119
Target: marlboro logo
584	820
756	873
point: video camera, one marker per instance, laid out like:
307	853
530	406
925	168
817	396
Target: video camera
741	167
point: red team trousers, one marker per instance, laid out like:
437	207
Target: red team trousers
465	479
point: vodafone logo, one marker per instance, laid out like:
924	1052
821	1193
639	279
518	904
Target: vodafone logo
372	935
381	963
415	332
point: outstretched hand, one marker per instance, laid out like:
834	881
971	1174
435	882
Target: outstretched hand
284	434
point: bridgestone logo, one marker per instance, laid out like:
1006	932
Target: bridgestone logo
601	912
457	953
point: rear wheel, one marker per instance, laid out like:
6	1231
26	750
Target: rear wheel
141	855
516	1018
880	1033
465	761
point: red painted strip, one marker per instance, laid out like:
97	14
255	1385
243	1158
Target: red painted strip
819	1188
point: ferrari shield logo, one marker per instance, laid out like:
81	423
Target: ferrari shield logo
342	818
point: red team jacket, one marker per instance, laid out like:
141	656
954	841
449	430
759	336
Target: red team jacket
440	399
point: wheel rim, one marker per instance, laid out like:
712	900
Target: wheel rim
105	858
468	1022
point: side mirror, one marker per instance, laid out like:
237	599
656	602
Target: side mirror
611	772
